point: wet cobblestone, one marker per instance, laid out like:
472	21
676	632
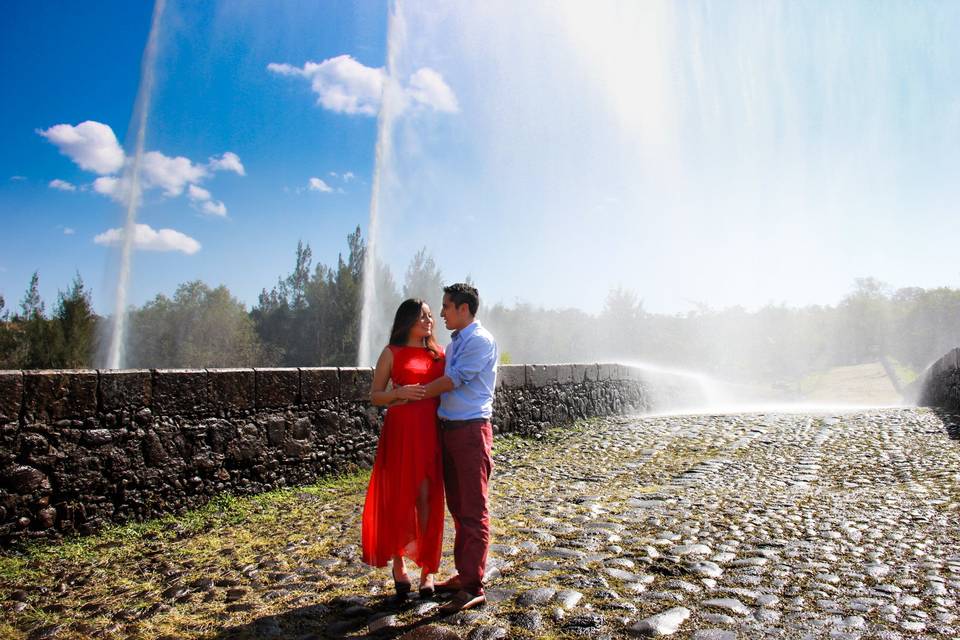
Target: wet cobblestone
733	526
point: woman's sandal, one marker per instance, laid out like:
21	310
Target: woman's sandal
402	587
427	591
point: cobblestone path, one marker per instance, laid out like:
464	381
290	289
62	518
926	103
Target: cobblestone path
706	527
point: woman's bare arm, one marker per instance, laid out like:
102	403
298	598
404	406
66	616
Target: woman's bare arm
379	395
442	384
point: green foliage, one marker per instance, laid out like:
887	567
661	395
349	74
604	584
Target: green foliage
773	344
30	340
313	317
199	327
423	279
75	327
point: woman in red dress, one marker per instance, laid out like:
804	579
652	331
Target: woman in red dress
403	513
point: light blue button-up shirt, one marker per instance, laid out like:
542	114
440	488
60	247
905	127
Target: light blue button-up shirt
471	363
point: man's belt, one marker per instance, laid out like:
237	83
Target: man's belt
456	424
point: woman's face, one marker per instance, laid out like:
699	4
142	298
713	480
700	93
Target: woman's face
424	326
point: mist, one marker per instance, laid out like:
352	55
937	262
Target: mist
750	192
756	154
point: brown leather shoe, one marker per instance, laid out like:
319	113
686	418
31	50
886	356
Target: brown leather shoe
450	584
462	601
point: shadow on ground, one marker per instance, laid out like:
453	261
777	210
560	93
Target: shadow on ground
351	616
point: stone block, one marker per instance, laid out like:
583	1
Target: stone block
565	373
593	372
605	371
24	480
60	394
231	390
278	387
11	395
511	375
179	391
318	384
579	372
125	389
355	384
541	375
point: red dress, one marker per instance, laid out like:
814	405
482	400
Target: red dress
408	462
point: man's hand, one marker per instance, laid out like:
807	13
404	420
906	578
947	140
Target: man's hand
410	392
442	384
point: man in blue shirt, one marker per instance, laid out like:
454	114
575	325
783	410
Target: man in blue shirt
466	437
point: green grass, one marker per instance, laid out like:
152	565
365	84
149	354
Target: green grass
905	373
224	510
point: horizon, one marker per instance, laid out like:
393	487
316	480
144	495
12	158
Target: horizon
839	128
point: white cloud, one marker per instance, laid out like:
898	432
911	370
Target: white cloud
316	184
344	85
215	208
197	194
148	239
169	174
201	196
107	185
92	145
62	185
229	161
427	87
68	231
346	176
111	186
17	178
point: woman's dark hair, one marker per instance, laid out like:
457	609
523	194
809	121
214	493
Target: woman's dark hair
408	314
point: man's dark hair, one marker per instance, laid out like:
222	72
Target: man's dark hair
462	293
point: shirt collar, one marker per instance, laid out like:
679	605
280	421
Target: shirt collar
466	332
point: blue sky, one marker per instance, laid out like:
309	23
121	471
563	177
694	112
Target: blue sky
722	153
213	95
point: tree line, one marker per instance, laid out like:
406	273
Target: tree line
311	317
64	339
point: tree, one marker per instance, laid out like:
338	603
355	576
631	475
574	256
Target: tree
315	319
864	315
298	280
76	326
40	341
423	278
622	315
346	301
10	340
199	327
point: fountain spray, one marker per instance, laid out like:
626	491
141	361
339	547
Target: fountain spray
131	185
391	103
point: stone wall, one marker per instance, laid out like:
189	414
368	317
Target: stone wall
939	385
81	449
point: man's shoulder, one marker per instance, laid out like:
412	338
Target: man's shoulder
482	334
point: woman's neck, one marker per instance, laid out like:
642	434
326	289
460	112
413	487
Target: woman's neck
415	343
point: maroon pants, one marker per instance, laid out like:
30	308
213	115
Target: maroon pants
466	470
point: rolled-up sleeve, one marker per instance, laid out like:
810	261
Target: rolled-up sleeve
474	357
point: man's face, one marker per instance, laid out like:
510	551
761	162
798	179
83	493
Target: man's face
453	318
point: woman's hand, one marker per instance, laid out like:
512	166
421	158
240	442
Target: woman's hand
410	392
